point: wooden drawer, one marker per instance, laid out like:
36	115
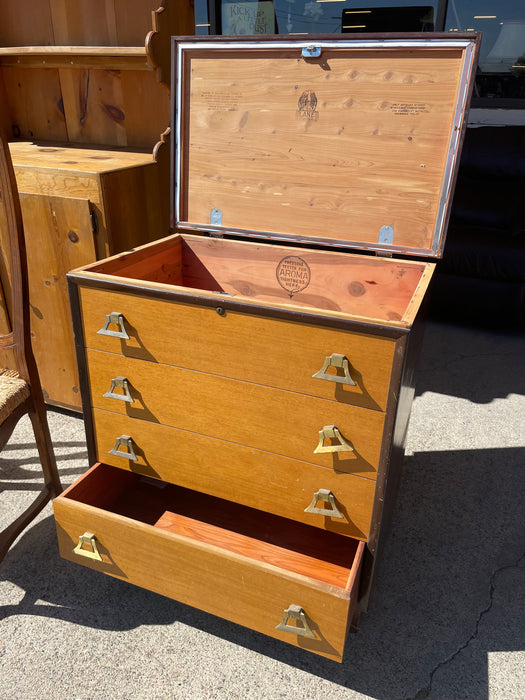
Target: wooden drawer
281	422
243	346
246	566
262	480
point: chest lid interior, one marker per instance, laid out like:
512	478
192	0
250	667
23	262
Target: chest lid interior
350	142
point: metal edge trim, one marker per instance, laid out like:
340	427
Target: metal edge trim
326	43
177	120
452	157
173	134
307	240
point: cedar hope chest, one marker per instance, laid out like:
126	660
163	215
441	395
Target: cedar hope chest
247	381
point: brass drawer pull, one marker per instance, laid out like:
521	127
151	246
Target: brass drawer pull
338	362
295	612
332	432
89	539
119	383
118	320
325	496
126	442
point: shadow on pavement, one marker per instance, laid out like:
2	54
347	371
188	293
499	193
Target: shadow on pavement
458	529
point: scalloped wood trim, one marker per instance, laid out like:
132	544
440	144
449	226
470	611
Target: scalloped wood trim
171	19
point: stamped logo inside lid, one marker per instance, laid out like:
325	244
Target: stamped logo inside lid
293	274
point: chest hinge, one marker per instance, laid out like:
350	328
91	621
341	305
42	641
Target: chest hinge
386	236
216	217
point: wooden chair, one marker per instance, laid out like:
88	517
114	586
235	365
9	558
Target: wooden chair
20	389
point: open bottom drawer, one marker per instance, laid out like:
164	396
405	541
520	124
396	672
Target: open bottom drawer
282	578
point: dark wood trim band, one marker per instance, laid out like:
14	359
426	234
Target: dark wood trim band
82	369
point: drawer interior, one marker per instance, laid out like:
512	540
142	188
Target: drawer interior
291	546
364	285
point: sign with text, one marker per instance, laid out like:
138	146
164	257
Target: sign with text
248	18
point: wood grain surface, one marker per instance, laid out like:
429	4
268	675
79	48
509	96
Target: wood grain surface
14	32
78	71
333	574
354	284
68	243
83	22
272	420
85	97
75	159
249	347
61	188
102	22
262	480
169	19
376	290
34	103
122	187
206	575
336	147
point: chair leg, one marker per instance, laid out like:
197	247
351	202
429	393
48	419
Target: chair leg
45	448
52	485
9	535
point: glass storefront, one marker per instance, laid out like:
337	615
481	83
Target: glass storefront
314	16
501	73
501	70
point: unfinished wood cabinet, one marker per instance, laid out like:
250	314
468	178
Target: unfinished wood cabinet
96	202
82	99
247	381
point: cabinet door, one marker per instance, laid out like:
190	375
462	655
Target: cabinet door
59	237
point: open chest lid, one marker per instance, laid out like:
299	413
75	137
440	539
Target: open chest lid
348	142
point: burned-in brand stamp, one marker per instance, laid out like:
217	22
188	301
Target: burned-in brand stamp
293	274
307	106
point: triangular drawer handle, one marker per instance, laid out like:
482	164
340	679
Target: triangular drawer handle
119	383
325	496
332	432
118	319
89	539
129	453
338	362
295	612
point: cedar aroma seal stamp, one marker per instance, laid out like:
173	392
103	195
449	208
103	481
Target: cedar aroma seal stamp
293	274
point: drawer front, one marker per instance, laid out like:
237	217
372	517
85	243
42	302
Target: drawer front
248	347
281	422
232	586
261	480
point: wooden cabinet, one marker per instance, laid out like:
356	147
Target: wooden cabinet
83	102
95	202
247	401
